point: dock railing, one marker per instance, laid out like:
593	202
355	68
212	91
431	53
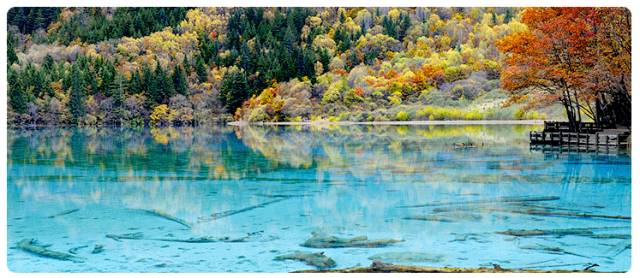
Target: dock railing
589	134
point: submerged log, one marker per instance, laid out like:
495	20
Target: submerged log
538	212
318	260
509	199
70	211
393	257
611	236
228	213
619	248
555	232
32	246
433	218
524	208
74	250
588	267
120	237
320	241
571	214
164	215
97	249
551	250
548	211
286	196
449	217
204	239
379	267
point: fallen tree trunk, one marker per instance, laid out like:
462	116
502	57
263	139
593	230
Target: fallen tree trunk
511	199
319	241
70	211
32	246
319	260
204	239
164	215
228	213
378	267
536	212
555	232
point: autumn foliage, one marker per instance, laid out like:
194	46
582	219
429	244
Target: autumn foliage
580	55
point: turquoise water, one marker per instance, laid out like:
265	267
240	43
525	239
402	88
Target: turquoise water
272	187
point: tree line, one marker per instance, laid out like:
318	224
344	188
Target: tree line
185	66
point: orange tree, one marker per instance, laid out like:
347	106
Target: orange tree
580	56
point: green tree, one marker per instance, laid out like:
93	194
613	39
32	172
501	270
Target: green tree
117	89
150	86
508	15
235	89
201	70
389	27
12	58
48	63
324	58
76	101
405	24
164	85
17	97
179	78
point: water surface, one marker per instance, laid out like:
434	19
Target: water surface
275	186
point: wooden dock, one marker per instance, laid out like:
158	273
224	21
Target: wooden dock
588	136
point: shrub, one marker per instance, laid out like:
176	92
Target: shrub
395	98
258	114
519	114
162	115
402	116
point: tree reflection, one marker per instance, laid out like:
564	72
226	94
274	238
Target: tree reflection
181	170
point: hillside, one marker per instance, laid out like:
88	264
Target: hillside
182	66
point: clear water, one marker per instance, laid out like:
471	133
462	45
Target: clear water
345	181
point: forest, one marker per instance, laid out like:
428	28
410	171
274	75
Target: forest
196	66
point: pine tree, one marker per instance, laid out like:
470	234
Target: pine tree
201	70
508	15
389	27
149	85
308	61
17	96
12	58
163	86
107	75
48	63
325	58
135	83
117	89
76	102
405	24
235	89
179	78
34	79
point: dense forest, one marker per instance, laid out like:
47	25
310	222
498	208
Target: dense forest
183	66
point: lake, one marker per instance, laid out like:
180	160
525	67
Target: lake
232	199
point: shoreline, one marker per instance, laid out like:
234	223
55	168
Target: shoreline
425	123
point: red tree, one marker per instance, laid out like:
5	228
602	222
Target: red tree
580	55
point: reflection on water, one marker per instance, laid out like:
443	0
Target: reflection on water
221	199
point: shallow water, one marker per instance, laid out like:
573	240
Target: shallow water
71	187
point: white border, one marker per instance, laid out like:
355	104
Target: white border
6	5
